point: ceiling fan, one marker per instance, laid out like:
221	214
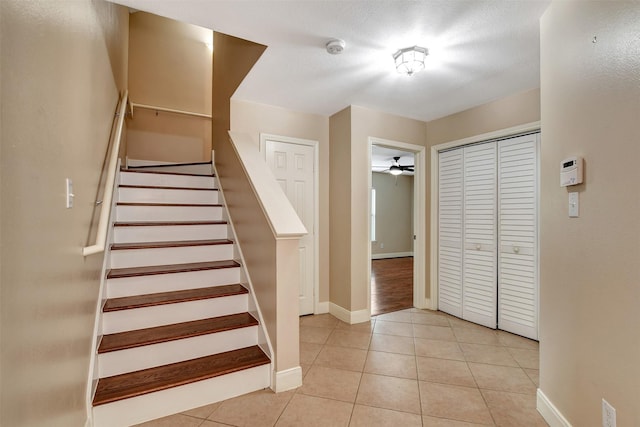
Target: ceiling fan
397	169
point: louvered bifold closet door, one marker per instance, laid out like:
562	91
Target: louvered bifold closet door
479	296
518	269
450	183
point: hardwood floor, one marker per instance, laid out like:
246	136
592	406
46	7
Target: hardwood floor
391	285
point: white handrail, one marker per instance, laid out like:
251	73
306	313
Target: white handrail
169	110
103	223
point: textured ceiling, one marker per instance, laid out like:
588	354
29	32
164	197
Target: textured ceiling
480	50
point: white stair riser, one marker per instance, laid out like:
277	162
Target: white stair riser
148	317
162	233
160	195
149	356
179	399
129	286
163	180
123	258
168	213
152	165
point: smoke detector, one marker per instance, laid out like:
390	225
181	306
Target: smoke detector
335	46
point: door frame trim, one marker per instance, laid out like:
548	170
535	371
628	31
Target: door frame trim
435	195
316	201
419	217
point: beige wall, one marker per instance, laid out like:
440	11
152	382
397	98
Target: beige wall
62	67
590	295
394	213
340	208
267	258
170	66
254	119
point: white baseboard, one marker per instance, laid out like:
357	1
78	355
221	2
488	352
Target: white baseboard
549	412
391	255
350	317
322	307
287	379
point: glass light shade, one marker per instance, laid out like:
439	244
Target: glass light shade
395	170
410	60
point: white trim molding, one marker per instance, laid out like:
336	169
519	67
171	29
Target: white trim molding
287	379
350	317
549	412
485	137
322	307
392	255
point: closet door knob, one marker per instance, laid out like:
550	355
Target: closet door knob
478	246
516	249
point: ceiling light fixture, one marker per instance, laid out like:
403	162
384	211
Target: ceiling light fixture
395	170
410	60
335	46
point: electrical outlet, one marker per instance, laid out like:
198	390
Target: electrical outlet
608	414
381	245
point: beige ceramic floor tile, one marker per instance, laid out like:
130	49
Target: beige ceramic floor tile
260	408
396	316
331	383
526	358
489	354
439	349
476	336
441	333
368	416
314	335
444	371
203	411
344	338
513	409
209	423
459	323
443	422
534	374
312	411
365	327
351	359
309	352
429	319
516	341
398	394
319	321
392	364
503	378
454	402
392	344
393	328
177	420
305	369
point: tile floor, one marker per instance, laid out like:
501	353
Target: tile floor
407	368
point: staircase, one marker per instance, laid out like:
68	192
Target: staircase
176	328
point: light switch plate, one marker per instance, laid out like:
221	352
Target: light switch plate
574	205
70	194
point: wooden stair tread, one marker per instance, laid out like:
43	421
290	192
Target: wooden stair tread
166	223
170	244
161	298
167	172
137	383
175	331
116	273
169	204
164	187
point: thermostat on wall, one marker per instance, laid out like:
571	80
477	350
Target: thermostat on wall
571	171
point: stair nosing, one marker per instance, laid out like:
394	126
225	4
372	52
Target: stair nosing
258	358
166	223
217	205
245	320
170	244
174	297
163	187
167	173
152	270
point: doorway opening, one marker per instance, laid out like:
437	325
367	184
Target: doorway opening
396	232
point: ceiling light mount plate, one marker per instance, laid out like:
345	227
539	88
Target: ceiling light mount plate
335	46
410	60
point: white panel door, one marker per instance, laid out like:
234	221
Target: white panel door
479	296
293	166
450	188
518	241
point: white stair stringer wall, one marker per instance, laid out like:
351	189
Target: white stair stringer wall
254	309
181	398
